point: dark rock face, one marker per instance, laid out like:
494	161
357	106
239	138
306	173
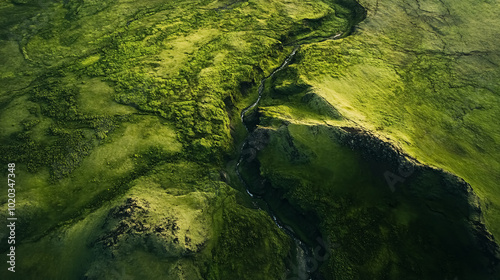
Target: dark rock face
130	224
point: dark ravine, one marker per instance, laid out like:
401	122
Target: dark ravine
307	254
302	251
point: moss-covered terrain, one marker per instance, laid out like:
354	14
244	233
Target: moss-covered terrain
372	155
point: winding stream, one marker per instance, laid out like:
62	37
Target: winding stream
305	265
262	83
303	253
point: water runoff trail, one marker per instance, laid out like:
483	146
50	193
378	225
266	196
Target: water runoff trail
303	268
262	83
303	253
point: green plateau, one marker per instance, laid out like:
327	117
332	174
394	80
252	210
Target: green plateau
251	139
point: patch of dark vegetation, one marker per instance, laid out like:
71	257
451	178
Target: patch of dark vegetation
286	83
301	222
244	234
230	5
373	148
246	86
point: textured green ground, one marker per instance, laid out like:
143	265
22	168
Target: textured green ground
116	114
122	116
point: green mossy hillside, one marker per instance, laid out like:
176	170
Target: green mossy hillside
118	117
